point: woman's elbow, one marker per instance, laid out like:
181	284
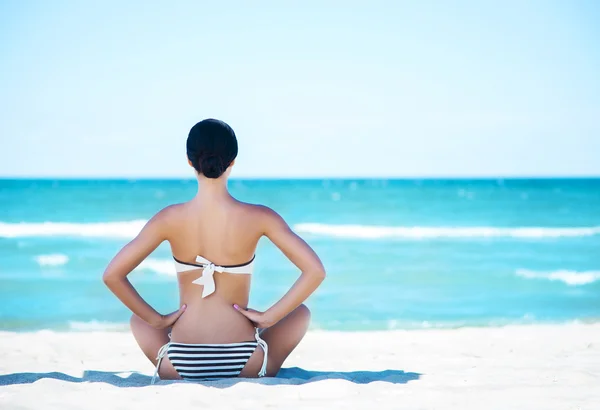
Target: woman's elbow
319	274
108	278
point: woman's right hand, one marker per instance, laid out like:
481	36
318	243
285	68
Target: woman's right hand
169	320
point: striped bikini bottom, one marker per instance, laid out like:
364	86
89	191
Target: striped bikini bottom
199	362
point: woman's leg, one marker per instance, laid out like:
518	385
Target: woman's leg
150	341
281	338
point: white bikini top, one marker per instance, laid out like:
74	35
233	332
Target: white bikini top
209	269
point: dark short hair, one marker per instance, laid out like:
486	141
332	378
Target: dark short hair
211	147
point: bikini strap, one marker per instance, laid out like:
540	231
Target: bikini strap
265	347
161	353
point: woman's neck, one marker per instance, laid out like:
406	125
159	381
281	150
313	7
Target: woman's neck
211	190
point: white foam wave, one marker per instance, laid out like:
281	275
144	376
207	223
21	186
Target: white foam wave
54	259
160	266
128	229
95	326
425	232
571	278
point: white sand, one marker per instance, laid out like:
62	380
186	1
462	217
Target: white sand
518	367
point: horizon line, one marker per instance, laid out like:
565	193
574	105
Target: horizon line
301	178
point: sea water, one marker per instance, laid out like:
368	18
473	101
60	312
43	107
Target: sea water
398	253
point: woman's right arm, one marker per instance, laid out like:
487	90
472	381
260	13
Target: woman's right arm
301	255
128	258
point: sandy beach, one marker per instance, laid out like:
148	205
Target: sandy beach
516	367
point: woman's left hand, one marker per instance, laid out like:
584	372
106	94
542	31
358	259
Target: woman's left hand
260	319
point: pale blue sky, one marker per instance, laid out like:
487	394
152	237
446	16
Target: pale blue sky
312	88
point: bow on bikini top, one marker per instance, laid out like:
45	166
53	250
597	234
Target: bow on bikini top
208	270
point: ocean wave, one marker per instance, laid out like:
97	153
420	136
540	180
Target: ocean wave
160	266
426	232
96	326
54	259
127	229
571	278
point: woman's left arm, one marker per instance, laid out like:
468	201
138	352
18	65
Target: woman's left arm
128	258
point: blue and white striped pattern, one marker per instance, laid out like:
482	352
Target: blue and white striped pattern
210	361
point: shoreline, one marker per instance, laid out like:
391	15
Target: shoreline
94	326
546	366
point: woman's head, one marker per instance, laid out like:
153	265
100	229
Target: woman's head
211	147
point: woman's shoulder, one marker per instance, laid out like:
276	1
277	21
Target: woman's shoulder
171	211
168	215
265	217
258	210
261	217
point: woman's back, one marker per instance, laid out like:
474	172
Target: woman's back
225	232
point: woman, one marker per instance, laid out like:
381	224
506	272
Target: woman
213	238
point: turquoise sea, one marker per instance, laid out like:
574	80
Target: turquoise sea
398	253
